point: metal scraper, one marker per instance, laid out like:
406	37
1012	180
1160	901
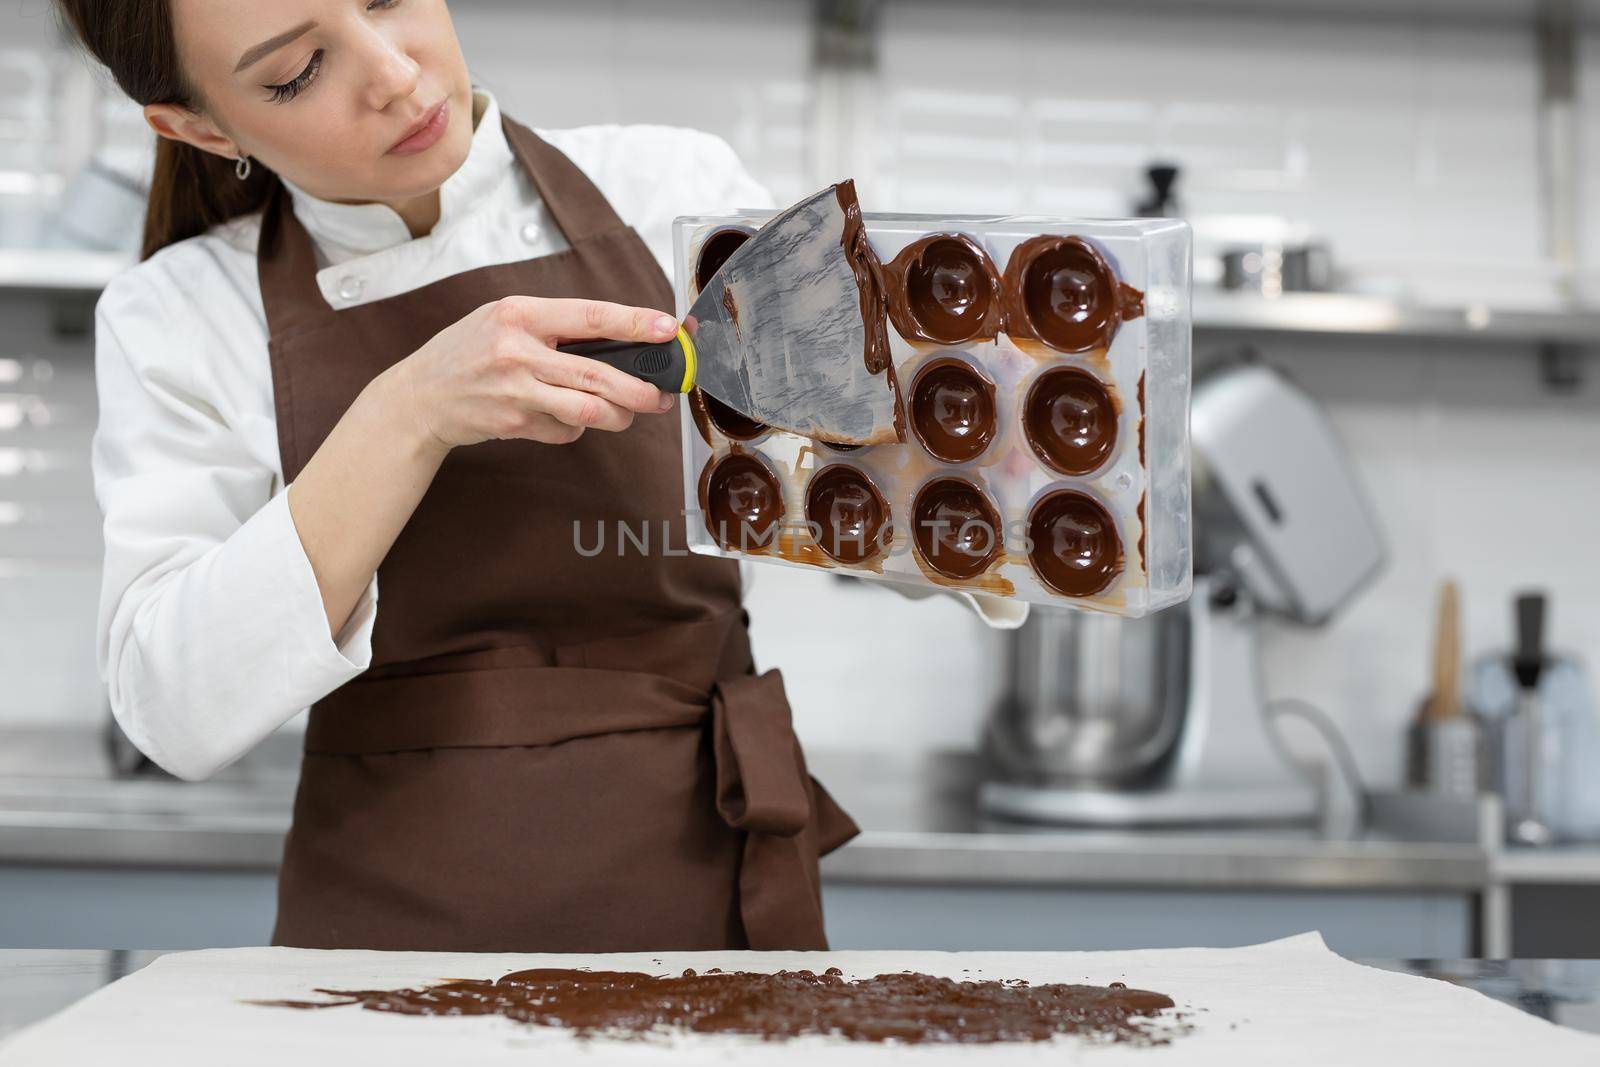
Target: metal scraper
789	332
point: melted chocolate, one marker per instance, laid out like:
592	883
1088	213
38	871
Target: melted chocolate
1070	419
1144	535
1141	418
850	517
956	529
732	424
868	271
907	1008
1075	548
1062	291
716	250
943	288
953	410
743	501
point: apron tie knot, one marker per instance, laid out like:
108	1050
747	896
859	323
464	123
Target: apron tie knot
764	790
761	783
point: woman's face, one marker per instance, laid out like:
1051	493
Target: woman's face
348	99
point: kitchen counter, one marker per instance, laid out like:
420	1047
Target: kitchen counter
38	983
62	804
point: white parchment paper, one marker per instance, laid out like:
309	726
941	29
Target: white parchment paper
1290	1003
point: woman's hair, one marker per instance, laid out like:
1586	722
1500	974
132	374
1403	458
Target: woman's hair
190	190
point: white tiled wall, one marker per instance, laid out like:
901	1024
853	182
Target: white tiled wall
1477	474
1408	141
739	68
1405	141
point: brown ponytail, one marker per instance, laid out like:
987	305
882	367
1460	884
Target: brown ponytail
190	190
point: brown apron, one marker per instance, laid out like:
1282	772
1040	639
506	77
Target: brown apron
551	751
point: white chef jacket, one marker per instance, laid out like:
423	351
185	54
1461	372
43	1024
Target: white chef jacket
212	632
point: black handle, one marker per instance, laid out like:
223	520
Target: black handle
1528	662
665	365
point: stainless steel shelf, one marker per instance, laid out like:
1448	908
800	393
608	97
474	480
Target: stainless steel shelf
60	805
1563	865
1339	314
1328	314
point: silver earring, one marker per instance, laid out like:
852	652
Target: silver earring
241	167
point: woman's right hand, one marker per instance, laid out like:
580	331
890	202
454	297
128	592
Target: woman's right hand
496	373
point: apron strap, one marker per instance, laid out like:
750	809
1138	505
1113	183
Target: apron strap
574	201
286	261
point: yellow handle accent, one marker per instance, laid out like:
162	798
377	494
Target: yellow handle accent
690	360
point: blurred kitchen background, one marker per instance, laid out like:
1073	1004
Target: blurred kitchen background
1396	205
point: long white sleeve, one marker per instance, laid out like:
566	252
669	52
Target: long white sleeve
212	632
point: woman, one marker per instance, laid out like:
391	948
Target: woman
338	352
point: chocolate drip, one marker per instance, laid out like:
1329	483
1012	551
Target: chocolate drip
905	1008
1062	291
1075	547
850	517
943	288
1141	418
868	271
957	530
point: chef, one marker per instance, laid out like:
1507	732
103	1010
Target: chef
336	363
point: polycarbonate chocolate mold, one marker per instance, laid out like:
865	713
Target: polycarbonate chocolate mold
1045	455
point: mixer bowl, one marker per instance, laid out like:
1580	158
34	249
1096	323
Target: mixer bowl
1095	700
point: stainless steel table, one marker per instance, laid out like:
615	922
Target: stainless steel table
193	864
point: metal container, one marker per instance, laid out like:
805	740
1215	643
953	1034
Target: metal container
1096	700
1271	269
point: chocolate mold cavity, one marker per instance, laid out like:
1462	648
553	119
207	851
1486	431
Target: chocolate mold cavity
1062	291
708	410
1075	549
1070	420
956	528
742	502
943	288
849	517
953	410
715	250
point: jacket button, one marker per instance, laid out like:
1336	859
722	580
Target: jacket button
349	287
530	233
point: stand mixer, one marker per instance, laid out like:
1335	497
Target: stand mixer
1161	720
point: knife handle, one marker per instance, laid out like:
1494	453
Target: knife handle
669	366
